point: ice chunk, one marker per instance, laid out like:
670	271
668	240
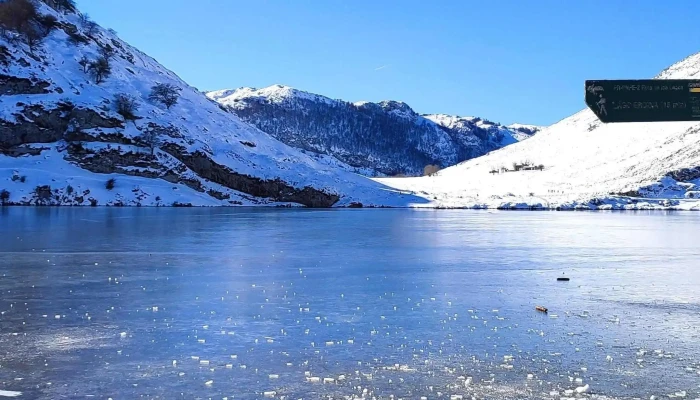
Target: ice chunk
9	393
271	393
328	380
204	362
274	376
123	334
209	383
583	389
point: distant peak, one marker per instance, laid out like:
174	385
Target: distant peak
274	93
397	107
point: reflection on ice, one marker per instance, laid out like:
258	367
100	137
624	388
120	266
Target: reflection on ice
232	321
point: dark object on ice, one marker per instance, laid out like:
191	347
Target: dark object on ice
563	279
542	309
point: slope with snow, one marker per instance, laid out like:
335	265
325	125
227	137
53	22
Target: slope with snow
587	164
61	138
385	138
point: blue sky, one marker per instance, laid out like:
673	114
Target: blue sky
505	60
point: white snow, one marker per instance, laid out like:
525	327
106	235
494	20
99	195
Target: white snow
198	118
275	93
583	159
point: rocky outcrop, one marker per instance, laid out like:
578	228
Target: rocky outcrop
276	190
19	151
36	124
685	174
12	85
108	161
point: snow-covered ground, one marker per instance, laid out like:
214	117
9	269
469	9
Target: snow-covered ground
583	160
201	124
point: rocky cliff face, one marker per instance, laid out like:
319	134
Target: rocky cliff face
386	138
78	111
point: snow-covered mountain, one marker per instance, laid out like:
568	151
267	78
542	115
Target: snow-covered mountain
79	125
385	138
580	163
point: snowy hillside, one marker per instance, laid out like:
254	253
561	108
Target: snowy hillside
581	163
78	125
385	138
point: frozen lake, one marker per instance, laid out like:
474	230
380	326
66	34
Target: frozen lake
302	304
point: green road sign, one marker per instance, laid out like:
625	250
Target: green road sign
649	100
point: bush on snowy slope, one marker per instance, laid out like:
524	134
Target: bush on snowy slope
81	102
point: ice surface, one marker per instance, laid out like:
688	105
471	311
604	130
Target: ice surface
416	351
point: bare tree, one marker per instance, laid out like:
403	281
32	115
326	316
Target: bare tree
23	19
61	5
100	69
152	138
47	23
107	51
84	18
4	196
85	63
126	105
90	28
17	15
165	93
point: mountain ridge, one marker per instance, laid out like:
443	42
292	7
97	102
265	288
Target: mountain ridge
358	134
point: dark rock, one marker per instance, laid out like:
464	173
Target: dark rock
38	125
108	161
277	190
5	56
685	174
13	85
218	195
19	151
631	193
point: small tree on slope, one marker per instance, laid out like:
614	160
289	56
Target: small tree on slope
152	138
100	69
165	93
126	106
4	196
